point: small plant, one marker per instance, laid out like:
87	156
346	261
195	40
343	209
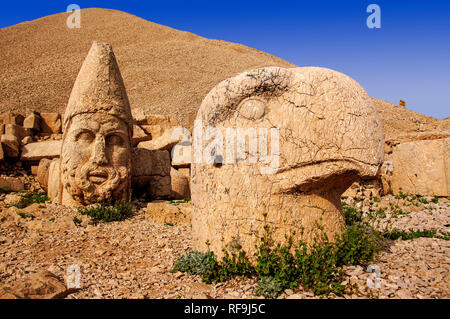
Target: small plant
317	265
435	200
169	224
108	213
24	215
413	234
376	199
176	202
351	214
195	263
36	197
269	287
77	221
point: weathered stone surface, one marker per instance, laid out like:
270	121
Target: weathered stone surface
39	150
17	130
164	212
33	122
11	118
329	136
11	183
422	167
50	123
13	199
98	126
54	185
27	140
179	184
139	135
181	154
34	170
10	145
150	162
42	173
159	187
43	285
2	155
165	142
165	121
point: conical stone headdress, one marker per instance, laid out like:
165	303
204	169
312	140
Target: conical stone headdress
99	87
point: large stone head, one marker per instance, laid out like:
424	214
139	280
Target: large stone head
302	136
97	124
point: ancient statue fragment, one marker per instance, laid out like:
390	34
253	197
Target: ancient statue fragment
95	162
328	134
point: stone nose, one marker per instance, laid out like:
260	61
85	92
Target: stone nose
99	156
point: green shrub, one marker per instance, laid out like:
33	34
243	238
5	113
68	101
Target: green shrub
176	202
412	234
195	263
107	212
351	214
269	287
36	197
77	221
317	265
24	215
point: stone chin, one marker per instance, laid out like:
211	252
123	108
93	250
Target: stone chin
93	183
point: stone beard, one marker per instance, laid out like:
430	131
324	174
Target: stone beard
96	159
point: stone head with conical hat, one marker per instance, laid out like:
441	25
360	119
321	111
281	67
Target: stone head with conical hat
97	124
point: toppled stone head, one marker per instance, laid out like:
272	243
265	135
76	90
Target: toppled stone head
326	135
96	147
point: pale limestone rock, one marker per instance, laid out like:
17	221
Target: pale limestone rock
165	142
17	130
33	121
42	173
50	123
330	135
139	135
10	145
11	183
42	285
39	150
179	184
27	140
13	200
181	155
422	167
11	118
165	212
150	162
98	126
54	185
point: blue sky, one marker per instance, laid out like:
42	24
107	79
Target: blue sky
408	58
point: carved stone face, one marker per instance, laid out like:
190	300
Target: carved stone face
96	159
329	135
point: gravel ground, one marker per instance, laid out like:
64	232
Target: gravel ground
133	258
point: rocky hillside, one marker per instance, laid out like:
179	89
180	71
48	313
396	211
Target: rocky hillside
166	71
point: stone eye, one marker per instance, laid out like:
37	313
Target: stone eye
85	137
114	140
252	108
